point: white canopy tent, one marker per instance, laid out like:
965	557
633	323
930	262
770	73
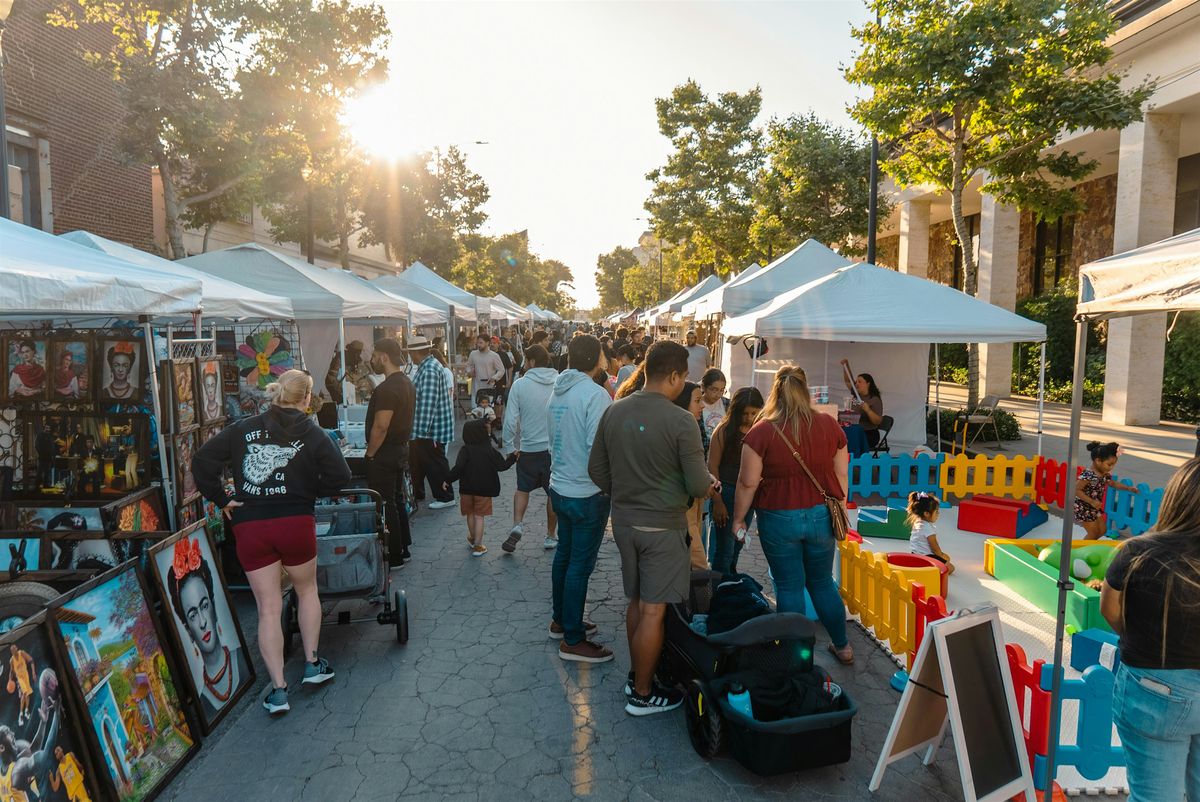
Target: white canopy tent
507	310
395	286
709	302
421	276
651	317
881	323
807	261
44	276
543	315
1163	276
705	286
221	299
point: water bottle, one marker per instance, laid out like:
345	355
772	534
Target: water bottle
739	700
740	535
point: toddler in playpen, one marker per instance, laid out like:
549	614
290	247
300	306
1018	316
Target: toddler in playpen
923	510
1091	486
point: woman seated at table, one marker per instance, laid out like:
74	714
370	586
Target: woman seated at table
870	403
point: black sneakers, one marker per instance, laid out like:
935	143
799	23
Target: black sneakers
659	700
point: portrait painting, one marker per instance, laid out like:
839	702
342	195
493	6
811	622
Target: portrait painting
198	613
26	377
71	361
116	661
43	748
185	481
179	378
212	399
122	370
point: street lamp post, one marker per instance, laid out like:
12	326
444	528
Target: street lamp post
5	9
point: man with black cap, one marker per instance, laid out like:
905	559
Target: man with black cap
388	426
433	425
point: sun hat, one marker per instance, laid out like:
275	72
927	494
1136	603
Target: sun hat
418	344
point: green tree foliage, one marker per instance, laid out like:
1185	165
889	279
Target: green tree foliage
702	199
981	90
610	277
640	285
492	265
816	185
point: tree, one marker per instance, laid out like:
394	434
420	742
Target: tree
815	186
702	199
640	285
982	90
610	277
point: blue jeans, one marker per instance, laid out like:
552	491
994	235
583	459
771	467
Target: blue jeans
1160	731
723	548
800	547
581	523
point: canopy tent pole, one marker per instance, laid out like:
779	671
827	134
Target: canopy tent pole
937	393
342	378
1064	564
168	479
1041	397
827	363
753	361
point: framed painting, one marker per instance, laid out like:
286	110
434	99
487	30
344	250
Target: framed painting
86	455
184	448
71	368
91	553
115	662
214	521
123	368
33	517
25	375
20	552
207	432
179	396
144	511
47	751
199	617
211	403
187	514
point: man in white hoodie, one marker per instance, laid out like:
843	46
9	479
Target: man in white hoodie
575	410
527	432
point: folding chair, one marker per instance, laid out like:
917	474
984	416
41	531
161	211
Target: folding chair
885	428
984	414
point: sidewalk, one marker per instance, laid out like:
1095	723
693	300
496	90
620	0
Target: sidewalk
478	706
1150	453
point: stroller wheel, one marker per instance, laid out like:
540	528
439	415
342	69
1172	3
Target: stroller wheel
288	621
706	729
400	612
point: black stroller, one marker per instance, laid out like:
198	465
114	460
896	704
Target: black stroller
777	644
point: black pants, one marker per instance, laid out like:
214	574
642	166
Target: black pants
385	475
427	460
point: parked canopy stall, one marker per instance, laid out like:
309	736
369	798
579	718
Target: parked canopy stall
877	318
1161	277
708	303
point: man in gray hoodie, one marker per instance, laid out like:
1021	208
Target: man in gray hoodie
575	410
527	432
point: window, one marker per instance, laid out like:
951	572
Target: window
1187	194
1052	253
23	154
972	221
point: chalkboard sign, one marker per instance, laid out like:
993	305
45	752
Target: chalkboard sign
960	678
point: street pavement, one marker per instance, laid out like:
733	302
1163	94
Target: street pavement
478	706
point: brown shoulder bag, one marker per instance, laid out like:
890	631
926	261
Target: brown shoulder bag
837	513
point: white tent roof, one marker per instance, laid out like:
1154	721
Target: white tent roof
542	314
707	285
650	316
421	276
422	314
709	302
505	307
865	303
221	299
42	275
315	293
809	260
394	285
1161	277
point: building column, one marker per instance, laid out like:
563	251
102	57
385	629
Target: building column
914	238
1145	213
999	244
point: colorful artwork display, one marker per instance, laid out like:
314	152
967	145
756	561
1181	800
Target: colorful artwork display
25	374
212	400
122	370
91	554
88	455
117	664
202	621
263	356
43	751
71	377
181	392
139	512
58	519
185	449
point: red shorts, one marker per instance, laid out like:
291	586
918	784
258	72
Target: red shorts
291	540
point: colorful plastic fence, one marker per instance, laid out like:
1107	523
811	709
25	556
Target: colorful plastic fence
963	476
1050	483
894	475
1136	512
1033	704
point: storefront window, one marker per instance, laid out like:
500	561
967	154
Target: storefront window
1052	253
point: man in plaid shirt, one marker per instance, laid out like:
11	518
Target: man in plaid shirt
433	426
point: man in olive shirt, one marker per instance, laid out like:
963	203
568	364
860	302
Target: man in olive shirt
388	425
647	456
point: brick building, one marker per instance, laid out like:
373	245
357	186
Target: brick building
1146	188
64	118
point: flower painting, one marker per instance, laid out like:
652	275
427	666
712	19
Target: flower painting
263	356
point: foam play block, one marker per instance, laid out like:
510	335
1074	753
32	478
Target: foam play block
1037	583
917	568
891	524
1000	517
1094	647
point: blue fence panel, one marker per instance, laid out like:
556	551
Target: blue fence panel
1136	512
894	475
1093	753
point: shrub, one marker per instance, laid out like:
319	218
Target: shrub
1006	422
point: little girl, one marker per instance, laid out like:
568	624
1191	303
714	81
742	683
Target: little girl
1090	489
923	511
477	471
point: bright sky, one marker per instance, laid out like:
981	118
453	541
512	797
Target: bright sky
563	93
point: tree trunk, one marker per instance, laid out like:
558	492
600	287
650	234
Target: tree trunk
343	221
207	230
171	205
970	277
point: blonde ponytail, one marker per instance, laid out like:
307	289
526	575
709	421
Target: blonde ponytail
290	388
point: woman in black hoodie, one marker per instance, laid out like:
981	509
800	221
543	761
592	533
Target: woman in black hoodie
281	462
477	471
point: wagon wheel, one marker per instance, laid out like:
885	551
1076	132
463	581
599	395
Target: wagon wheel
705	728
400	612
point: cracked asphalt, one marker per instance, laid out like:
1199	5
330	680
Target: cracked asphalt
478	706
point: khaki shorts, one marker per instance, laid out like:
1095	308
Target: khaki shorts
655	566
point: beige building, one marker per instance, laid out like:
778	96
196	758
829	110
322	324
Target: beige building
1146	188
